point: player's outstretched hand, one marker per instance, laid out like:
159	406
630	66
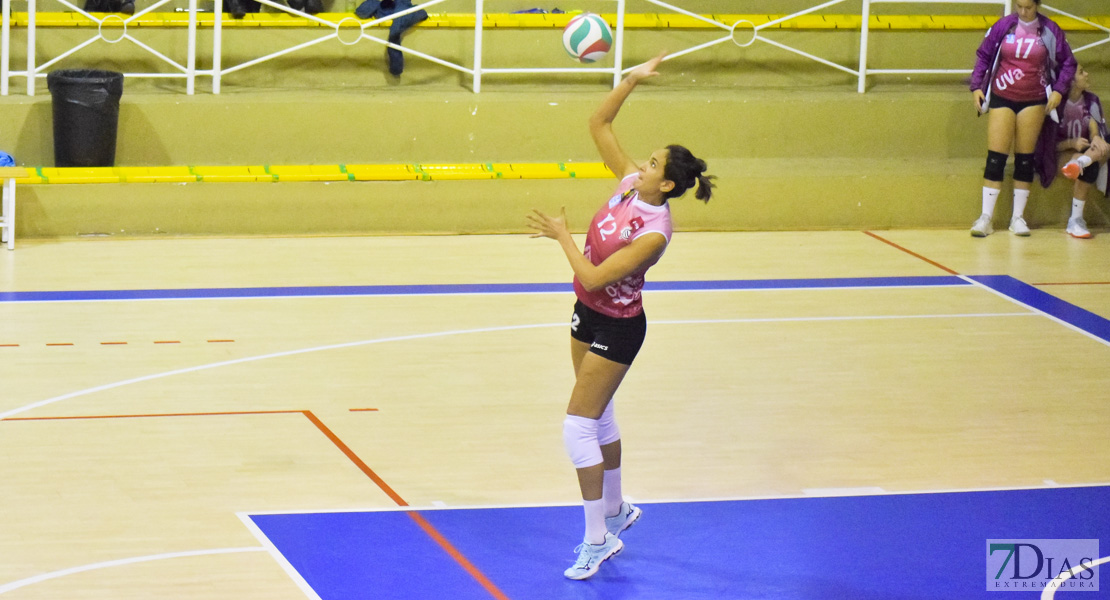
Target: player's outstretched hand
647	69
548	226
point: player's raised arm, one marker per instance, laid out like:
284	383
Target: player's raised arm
601	123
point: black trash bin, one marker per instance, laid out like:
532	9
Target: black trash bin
86	116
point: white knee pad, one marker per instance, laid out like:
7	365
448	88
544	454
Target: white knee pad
607	430
580	438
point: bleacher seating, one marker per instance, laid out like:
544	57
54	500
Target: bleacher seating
331	135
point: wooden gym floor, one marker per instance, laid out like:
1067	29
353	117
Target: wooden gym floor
148	397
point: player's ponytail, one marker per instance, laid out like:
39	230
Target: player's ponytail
686	171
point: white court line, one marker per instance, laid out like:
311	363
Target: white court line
888	493
248	359
7	587
1037	310
279	557
815	288
421	336
828	319
269	547
870	491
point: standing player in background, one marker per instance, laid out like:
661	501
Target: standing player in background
1081	141
626	237
1023	69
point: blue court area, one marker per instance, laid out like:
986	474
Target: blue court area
884	547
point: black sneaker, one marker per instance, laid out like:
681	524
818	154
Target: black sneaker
367	9
236	8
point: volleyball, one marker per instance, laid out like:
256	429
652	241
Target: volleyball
587	38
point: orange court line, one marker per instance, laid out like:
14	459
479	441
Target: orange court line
364	410
415	516
65	344
113	343
458	556
911	253
307	413
428	528
355	459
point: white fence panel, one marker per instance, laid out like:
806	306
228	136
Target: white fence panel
36	70
189	71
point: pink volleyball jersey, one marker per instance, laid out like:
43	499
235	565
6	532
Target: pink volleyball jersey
1076	121
1021	70
623	219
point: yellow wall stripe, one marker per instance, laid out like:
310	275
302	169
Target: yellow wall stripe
291	173
511	21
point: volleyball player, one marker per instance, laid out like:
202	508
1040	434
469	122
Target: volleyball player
1082	143
626	237
1023	70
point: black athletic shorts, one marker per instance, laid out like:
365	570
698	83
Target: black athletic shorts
1000	102
618	340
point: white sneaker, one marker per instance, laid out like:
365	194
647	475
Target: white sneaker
1077	227
590	557
1018	226
624	519
982	226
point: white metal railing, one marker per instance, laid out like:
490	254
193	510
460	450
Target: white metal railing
35	70
617	50
1082	20
864	71
218	72
189	72
755	33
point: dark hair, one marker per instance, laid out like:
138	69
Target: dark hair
686	170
